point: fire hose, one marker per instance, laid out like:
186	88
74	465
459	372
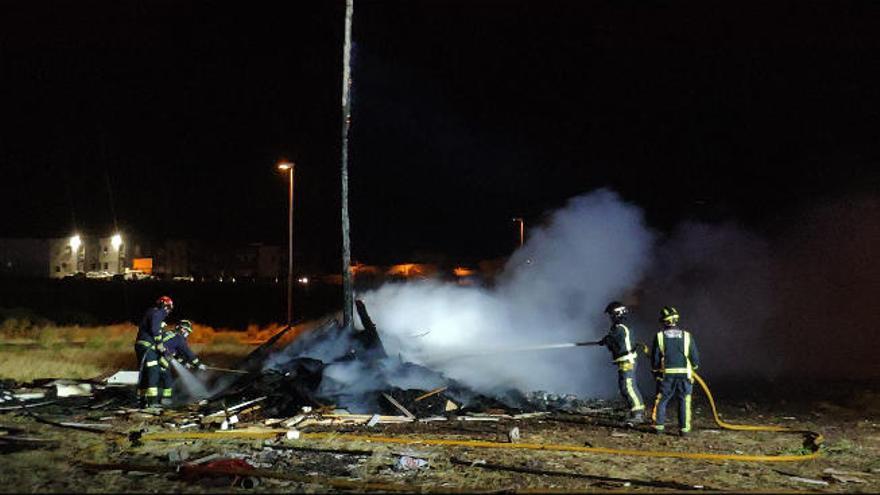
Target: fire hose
226	370
812	442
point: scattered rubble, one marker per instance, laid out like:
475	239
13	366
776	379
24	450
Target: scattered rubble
253	430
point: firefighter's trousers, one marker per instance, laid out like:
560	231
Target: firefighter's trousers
626	383
679	387
148	380
166	383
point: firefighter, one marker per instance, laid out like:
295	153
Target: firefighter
674	357
623	355
177	348
148	348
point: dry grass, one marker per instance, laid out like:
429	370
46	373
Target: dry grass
31	350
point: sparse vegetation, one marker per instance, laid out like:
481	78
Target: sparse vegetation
32	347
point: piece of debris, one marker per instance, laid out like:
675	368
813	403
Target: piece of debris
373	420
810	481
287	423
432	392
177	456
29	395
513	435
847	473
845	478
409	463
398	406
516	469
123	378
70	388
249	482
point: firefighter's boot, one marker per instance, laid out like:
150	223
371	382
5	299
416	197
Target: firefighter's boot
635	418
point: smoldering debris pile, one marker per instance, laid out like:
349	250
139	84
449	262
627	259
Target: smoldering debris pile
336	367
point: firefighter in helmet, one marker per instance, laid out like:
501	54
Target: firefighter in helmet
149	349
177	348
619	341
674	357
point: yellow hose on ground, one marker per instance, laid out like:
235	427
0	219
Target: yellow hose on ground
813	441
233	434
814	438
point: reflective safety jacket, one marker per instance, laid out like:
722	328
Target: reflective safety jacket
151	325
620	343
176	347
674	353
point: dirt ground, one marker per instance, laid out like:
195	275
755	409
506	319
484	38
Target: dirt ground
849	462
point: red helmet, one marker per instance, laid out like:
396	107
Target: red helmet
166	302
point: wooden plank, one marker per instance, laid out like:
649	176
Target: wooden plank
432	392
398	406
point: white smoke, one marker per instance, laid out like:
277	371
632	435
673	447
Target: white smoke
553	290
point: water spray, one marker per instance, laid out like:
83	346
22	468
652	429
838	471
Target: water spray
226	370
192	385
489	352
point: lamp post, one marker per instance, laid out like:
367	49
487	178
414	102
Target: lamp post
522	229
289	167
116	242
75	243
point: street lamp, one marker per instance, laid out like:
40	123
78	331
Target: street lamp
522	229
286	166
116	242
75	243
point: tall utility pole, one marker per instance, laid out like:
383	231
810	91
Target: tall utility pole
522	229
289	167
348	297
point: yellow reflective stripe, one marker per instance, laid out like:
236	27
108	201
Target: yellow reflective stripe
660	342
148	345
166	392
687	413
637	404
152	392
677	371
687	346
150	364
626	357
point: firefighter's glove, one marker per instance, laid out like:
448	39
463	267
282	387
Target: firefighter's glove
160	347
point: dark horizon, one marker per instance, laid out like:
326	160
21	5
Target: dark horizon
167	118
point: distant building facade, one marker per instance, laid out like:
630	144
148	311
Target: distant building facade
25	257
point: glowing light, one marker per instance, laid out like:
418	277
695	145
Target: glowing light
285	165
75	242
303	280
461	271
116	241
408	270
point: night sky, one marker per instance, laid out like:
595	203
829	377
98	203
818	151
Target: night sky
166	117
